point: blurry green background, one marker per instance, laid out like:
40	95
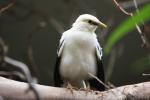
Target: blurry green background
47	19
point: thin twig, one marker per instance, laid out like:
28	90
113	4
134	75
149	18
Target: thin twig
5	8
111	85
99	80
108	87
123	10
145	74
141	33
129	4
26	72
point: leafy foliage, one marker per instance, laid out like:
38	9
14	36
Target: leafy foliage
128	25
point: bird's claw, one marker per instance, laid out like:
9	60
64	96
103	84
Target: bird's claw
70	87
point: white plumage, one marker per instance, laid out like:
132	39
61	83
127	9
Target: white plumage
78	49
78	55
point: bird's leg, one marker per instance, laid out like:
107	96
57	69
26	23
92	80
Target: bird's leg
85	87
70	87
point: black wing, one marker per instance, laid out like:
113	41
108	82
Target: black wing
94	84
57	77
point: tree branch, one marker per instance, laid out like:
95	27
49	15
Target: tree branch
11	89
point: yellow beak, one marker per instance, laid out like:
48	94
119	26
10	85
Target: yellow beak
102	25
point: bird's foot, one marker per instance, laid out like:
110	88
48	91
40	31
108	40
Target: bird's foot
70	87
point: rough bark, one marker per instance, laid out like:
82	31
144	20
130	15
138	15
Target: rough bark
11	89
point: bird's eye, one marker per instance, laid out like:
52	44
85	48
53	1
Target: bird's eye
92	23
89	21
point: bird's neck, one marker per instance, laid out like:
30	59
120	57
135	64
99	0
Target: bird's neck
83	27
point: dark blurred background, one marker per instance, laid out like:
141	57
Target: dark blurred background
38	24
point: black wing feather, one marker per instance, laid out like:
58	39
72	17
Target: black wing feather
57	78
94	84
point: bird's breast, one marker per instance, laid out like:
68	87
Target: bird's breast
78	57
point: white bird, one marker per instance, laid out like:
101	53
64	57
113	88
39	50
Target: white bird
80	55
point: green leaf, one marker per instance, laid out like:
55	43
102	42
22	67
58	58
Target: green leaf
126	26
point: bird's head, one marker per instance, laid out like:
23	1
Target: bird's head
87	22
